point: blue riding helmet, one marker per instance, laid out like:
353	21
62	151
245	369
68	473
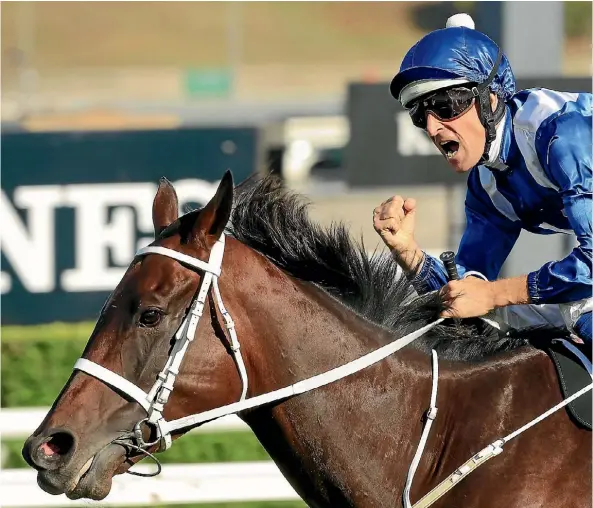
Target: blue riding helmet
457	56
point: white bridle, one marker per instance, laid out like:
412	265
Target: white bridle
154	401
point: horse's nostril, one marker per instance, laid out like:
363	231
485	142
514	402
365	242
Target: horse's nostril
51	451
58	445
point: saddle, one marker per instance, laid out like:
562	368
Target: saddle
574	372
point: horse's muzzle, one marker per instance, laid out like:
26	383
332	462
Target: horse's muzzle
64	468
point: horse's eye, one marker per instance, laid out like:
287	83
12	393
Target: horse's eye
150	317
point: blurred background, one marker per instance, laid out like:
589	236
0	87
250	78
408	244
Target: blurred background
99	100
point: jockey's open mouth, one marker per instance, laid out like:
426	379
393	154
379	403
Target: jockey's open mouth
449	148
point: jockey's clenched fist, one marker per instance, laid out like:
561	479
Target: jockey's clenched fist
395	221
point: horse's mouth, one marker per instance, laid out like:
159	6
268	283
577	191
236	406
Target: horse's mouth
92	481
84	469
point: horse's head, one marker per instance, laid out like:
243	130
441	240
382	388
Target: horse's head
88	435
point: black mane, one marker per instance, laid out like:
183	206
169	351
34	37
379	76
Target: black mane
275	222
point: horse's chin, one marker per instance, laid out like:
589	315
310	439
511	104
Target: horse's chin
92	481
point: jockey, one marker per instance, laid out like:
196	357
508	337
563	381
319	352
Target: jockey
528	155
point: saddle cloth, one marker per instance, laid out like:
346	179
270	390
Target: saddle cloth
574	372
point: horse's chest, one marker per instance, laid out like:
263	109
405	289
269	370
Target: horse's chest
351	459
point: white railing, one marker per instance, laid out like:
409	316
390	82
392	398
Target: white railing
177	483
187	483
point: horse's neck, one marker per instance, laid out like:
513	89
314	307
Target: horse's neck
302	332
305	333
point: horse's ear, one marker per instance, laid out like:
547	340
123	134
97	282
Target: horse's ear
213	218
165	207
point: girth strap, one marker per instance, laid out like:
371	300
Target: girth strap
431	414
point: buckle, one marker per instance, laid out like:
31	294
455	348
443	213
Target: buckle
431	414
140	438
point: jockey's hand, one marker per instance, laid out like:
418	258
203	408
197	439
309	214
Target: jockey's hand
466	298
395	221
474	297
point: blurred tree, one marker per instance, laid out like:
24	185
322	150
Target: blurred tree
577	19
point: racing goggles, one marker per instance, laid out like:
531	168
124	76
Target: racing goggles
445	105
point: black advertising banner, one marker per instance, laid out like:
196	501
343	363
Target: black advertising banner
76	206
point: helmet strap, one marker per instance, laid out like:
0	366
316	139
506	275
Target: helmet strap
488	117
489	120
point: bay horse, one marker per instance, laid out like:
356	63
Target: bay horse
304	300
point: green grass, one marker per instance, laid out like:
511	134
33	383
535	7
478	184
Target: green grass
53	332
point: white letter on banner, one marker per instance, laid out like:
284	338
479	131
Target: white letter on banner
31	252
95	236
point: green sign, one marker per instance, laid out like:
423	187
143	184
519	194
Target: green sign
208	82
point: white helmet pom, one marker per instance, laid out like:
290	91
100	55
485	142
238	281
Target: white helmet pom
461	19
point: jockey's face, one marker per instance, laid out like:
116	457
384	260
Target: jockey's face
462	140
